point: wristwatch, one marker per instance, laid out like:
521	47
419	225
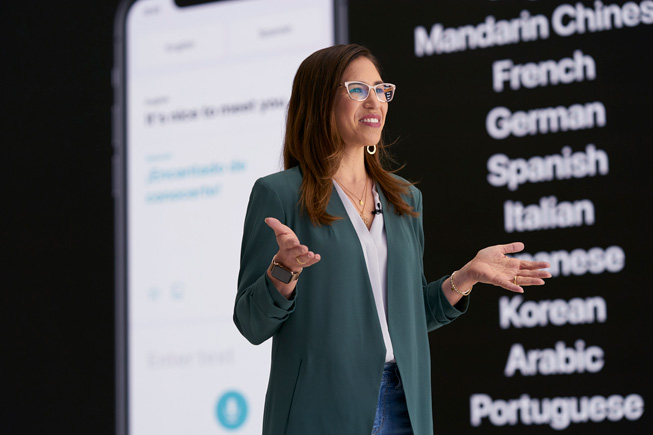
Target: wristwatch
282	273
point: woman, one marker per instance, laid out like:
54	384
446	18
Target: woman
336	276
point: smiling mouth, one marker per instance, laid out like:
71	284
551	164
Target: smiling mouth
373	121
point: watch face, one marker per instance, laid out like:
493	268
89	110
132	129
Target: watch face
281	274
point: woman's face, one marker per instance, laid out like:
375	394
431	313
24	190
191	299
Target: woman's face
360	122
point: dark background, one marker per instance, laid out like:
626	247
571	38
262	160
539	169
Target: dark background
59	366
57	58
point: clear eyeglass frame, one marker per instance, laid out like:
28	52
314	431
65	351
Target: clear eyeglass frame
384	92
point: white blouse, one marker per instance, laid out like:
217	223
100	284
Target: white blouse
375	251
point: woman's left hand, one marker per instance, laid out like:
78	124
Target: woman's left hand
492	266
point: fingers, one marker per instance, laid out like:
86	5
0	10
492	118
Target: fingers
532	273
530	278
515	247
509	285
538	273
278	228
295	251
511	248
292	253
508	272
533	265
525	278
286	238
523	281
308	259
296	262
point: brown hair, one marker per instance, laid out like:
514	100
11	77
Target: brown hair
312	139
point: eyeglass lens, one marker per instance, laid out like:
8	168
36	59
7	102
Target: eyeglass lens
360	91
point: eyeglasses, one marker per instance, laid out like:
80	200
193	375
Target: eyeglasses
359	91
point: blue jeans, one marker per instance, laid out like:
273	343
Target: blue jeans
391	411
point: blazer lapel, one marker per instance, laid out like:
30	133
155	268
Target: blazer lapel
335	207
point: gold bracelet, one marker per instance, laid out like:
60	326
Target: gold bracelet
454	289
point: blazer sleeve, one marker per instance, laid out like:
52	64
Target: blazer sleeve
439	311
260	309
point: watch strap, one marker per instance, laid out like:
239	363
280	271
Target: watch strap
282	273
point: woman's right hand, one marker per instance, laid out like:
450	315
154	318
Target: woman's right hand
292	254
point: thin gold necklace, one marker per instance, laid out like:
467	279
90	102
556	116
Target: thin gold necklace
361	201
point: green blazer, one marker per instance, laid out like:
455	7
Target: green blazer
327	350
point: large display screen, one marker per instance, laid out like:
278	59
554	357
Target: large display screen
530	121
202	97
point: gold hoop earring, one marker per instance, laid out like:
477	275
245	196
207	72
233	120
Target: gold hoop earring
372	151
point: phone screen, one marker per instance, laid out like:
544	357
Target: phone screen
201	94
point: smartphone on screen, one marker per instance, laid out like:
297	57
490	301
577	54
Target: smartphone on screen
201	93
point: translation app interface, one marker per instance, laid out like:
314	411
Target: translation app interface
207	94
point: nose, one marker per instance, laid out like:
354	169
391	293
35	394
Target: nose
372	100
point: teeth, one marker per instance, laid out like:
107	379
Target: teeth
370	120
